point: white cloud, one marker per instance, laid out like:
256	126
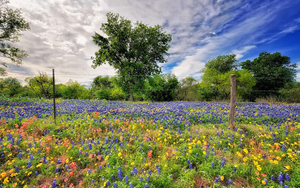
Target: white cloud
61	30
243	35
240	53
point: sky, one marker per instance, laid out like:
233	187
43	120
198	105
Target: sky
61	33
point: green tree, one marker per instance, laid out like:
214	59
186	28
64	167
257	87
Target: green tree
216	86
10	86
188	90
41	85
11	25
291	92
133	51
101	82
271	72
73	90
161	87
222	63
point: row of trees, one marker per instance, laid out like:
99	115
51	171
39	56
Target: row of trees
268	75
215	84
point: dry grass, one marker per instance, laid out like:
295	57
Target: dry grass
201	182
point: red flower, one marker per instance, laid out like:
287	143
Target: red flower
149	154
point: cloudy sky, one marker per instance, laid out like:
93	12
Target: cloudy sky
61	30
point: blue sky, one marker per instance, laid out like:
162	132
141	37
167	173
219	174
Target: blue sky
61	30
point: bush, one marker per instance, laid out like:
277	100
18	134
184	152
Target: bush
103	94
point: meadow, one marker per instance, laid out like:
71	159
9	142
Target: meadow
173	144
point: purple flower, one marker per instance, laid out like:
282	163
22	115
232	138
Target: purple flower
234	168
272	178
130	185
115	185
280	177
212	165
146	185
126	179
191	165
229	182
223	163
120	175
287	177
107	183
54	183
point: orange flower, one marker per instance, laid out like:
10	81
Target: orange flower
149	154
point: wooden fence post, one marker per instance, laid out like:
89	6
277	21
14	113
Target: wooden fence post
232	101
54	107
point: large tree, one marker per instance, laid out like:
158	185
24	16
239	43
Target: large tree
271	72
132	50
11	25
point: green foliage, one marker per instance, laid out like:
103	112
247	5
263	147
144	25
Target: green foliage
40	85
271	72
100	82
74	90
103	94
222	63
10	86
161	88
132	50
291	92
11	25
216	85
188	90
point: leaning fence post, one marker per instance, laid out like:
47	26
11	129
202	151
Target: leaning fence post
232	101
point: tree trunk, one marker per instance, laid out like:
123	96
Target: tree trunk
131	94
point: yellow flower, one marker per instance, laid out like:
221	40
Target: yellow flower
5	180
258	168
246	151
222	178
263	182
3	174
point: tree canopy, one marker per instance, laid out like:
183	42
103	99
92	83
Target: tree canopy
222	63
271	72
132	50
11	25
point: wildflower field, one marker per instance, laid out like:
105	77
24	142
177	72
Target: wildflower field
175	144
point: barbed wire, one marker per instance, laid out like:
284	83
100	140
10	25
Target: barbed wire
73	74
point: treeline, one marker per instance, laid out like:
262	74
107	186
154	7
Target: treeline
267	76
